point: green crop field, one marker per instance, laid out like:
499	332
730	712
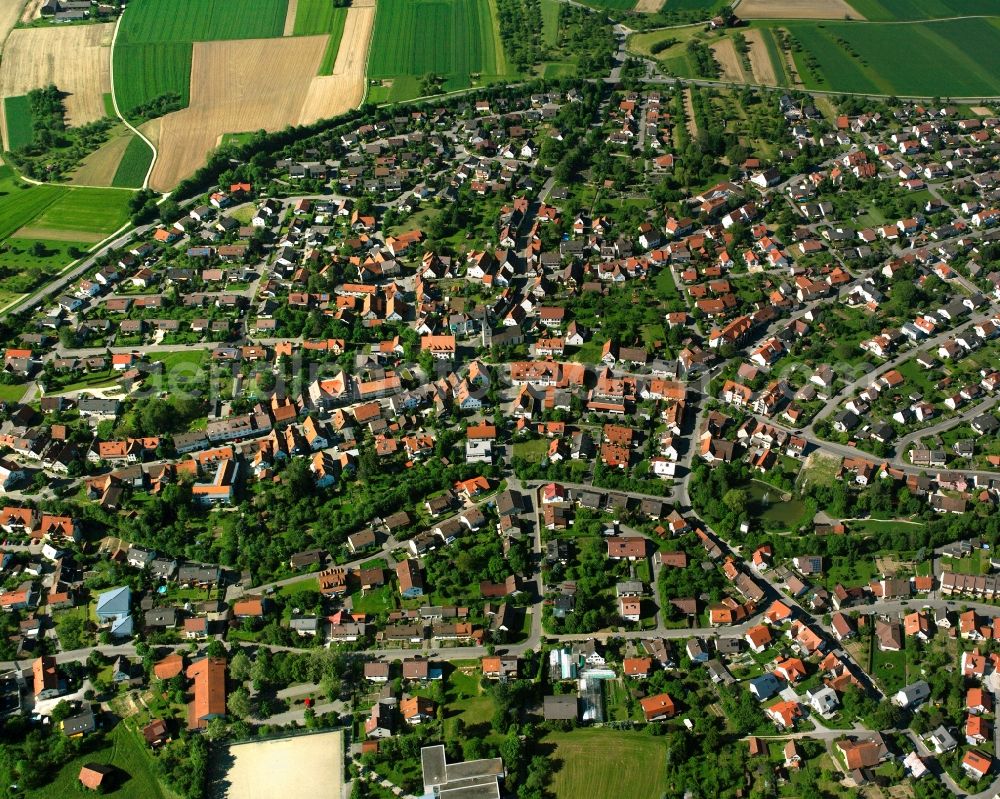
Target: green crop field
20	131
611	5
691	5
96	212
152	55
148	21
957	58
314	17
21	202
146	71
336	30
888	10
134	164
465	44
606	764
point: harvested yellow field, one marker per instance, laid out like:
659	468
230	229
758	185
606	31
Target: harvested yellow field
76	58
32	10
725	54
345	89
293	7
648	6
98	168
796	9
760	60
10	10
236	86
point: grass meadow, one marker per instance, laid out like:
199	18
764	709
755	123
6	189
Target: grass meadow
146	71
135	776
606	764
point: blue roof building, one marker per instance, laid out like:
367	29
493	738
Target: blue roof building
113	609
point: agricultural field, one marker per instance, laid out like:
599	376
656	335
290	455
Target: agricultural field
468	47
76	58
133	165
99	168
313	17
613	5
798	9
20	129
950	58
606	764
81	214
890	10
235	88
147	71
148	21
154	48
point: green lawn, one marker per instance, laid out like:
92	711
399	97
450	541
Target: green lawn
22	269
883	526
607	764
12	392
534	450
123	750
20	130
889	668
380	600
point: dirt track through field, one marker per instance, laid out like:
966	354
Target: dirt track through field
345	89
796	9
293	7
724	51
648	6
760	60
33	10
76	58
692	126
236	86
99	168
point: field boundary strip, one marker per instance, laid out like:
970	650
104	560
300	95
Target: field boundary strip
118	113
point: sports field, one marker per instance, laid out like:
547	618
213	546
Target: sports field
309	765
466	46
956	58
888	10
153	51
604	764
